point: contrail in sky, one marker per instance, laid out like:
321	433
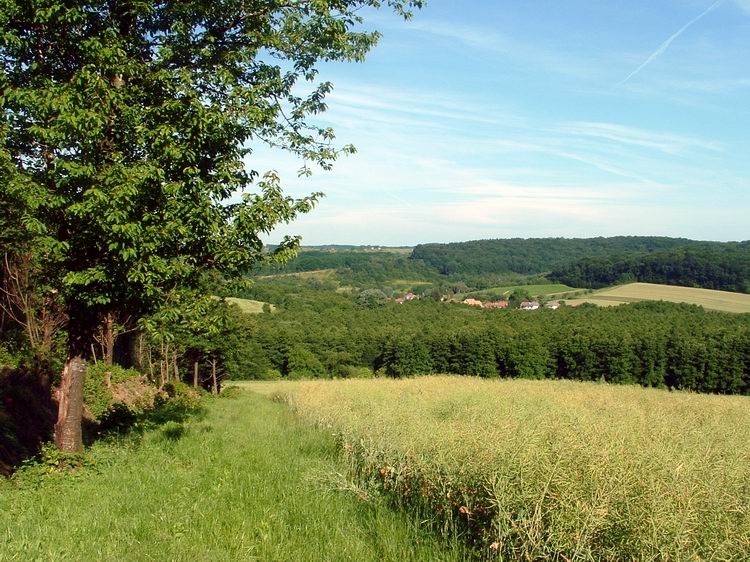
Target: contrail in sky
663	47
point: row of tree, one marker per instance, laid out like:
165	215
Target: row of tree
654	344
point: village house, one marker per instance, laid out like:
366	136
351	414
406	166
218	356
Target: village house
554	305
529	305
496	304
406	297
473	302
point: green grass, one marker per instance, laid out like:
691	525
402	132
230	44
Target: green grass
636	292
533	290
552	470
249	306
405	284
323	274
247	482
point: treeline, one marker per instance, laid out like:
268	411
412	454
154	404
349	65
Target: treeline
321	334
710	266
533	255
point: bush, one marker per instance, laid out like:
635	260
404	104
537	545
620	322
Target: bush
302	363
173	430
6	357
371	298
98	387
352	372
230	392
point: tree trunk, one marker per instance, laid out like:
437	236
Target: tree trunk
175	368
195	374
136	351
165	355
162	374
213	377
109	339
68	435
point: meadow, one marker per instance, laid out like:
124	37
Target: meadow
553	470
635	292
245	481
249	306
550	289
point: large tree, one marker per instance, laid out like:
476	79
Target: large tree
129	124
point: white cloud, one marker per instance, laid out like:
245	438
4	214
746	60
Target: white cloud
664	142
527	55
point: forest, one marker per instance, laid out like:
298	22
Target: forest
321	333
533	255
724	267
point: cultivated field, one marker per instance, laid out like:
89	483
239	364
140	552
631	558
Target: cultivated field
552	470
635	292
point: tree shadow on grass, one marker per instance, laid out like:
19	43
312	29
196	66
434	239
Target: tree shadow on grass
168	414
27	414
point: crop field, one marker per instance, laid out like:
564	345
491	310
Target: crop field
635	292
549	469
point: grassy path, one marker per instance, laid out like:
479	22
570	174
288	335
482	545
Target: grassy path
244	483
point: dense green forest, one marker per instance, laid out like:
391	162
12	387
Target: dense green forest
319	333
710	266
533	255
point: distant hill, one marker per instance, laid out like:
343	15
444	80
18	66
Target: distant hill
722	266
360	267
576	262
530	256
352	248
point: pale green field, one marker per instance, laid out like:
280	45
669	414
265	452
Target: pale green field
314	274
407	283
552	470
533	290
635	292
249	306
596	301
267	388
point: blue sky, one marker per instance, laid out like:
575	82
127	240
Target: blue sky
487	119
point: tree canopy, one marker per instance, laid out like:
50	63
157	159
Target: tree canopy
127	135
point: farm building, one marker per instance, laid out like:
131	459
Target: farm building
496	304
